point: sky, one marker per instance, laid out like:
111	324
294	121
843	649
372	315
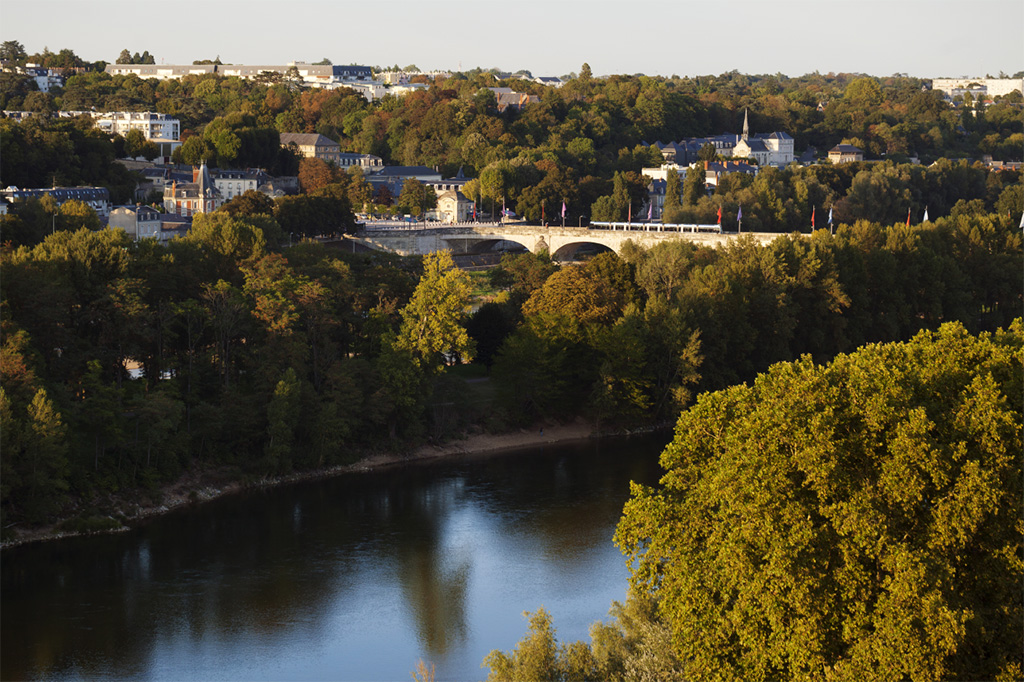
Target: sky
922	38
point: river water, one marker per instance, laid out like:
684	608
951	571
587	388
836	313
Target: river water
351	578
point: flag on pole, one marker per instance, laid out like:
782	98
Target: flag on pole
719	214
812	217
925	215
739	214
474	211
908	217
629	218
829	215
1022	221
563	209
650	210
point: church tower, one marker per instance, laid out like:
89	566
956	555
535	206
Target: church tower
746	127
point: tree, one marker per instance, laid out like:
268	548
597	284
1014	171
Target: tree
12	52
134	141
693	190
536	657
125	57
635	645
432	322
673	192
74	215
416	197
845	518
282	417
251	202
315	174
707	153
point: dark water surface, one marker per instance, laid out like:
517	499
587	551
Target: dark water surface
352	578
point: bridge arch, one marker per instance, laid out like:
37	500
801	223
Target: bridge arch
477	245
572	250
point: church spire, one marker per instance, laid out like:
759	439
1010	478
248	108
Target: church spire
746	127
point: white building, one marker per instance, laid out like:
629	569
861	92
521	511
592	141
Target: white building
453	207
368	162
661	173
154	126
989	87
45	78
161	71
140	222
234	183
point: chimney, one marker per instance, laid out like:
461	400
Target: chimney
195	174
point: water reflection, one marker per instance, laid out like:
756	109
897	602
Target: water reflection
351	578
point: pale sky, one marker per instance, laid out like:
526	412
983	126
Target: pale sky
923	38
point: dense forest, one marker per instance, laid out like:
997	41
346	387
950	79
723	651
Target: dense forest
270	360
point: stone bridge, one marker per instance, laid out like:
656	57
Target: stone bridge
561	242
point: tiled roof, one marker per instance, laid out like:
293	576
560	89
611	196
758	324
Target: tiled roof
307	140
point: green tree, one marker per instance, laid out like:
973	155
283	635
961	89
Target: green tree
707	153
12	52
134	141
673	193
432	327
283	414
416	197
74	215
538	656
846	518
693	188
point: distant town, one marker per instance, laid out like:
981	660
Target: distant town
171	189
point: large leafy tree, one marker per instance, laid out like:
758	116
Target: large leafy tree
859	520
432	322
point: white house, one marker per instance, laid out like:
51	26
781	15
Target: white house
453	207
233	183
140	222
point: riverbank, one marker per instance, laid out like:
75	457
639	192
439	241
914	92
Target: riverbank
196	487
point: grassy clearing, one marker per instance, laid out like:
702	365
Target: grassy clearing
482	290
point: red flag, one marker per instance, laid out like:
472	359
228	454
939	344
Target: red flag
630	219
812	217
908	217
719	215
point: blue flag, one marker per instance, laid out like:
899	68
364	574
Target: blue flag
739	214
830	215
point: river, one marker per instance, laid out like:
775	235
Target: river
351	578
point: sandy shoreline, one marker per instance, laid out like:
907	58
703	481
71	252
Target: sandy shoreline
193	488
